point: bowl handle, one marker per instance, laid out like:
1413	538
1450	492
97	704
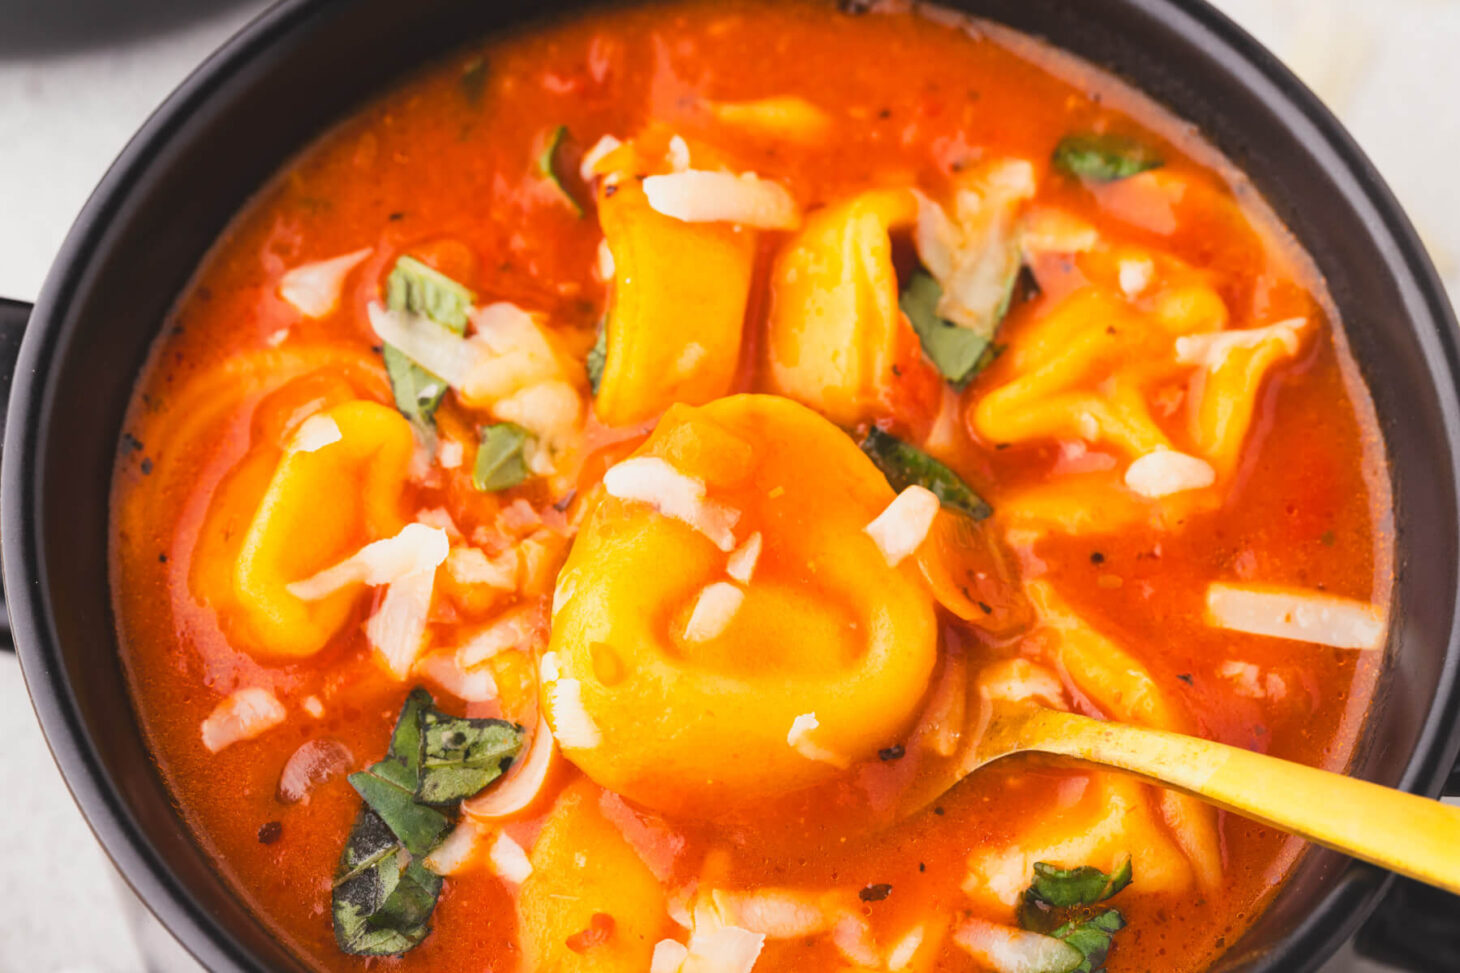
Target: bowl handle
13	317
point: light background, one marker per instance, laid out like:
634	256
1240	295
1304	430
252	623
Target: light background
1390	70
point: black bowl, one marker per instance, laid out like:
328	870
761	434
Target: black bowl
306	63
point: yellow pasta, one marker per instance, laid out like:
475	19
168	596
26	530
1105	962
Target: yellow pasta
825	654
835	328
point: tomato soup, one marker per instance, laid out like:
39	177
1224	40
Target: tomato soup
585	507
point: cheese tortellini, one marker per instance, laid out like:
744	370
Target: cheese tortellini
725	619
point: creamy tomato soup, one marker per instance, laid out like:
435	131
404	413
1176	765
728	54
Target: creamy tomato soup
590	490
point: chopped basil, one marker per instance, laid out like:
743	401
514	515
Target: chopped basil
958	353
474	80
383	897
383	894
417	392
1085	885
1056	904
547	164
461	756
905	465
501	460
1104	158
1092	937
597	358
416	288
413	286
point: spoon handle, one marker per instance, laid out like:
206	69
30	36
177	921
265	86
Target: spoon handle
1405	833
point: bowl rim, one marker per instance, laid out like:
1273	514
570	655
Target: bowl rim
141	866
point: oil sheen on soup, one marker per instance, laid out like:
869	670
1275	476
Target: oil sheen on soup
590	491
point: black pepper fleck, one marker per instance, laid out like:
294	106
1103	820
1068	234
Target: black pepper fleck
146	466
130	442
162	558
922	866
393	217
875	893
895	752
1096	557
1186	678
609	190
270	833
985	608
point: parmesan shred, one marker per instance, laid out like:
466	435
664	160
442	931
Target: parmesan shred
523	783
399	624
649	479
417	548
508	859
799	738
701	196
314	289
520	628
901	955
741	565
450	453
243	715
1296	613
722	949
669	956
315	433
777	913
588	169
453	855
852	936
713	610
679	154
898	530
469	686
1165	471
575	728
1210	349
1136	274
1005	949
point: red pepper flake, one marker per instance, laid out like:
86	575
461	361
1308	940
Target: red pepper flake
600	928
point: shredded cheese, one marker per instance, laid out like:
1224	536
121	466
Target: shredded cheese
649	479
1165	471
700	196
742	561
1210	349
241	716
314	288
714	608
315	433
1296	613
799	738
509	860
575	728
417	548
899	529
452	855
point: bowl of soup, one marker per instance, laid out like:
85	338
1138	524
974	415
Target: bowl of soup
490	492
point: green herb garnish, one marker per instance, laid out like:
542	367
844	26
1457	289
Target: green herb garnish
958	353
501	457
905	465
547	165
1057	904
597	358
1103	158
461	756
383	894
415	288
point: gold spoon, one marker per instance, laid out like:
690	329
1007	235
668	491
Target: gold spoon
1411	835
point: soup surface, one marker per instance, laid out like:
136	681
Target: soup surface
583	508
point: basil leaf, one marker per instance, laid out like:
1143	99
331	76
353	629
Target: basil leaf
388	787
597	358
905	465
1103	158
416	288
501	462
390	791
958	353
547	165
1085	885
412	286
417	392
382	896
460	756
1092	937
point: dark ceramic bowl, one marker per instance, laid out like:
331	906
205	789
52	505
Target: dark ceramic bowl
305	63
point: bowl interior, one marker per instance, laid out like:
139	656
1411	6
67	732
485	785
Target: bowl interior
307	62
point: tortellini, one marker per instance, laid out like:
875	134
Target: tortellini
581	868
1171	838
678	300
339	490
835	332
726	620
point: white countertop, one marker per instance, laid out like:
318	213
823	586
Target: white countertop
1390	71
